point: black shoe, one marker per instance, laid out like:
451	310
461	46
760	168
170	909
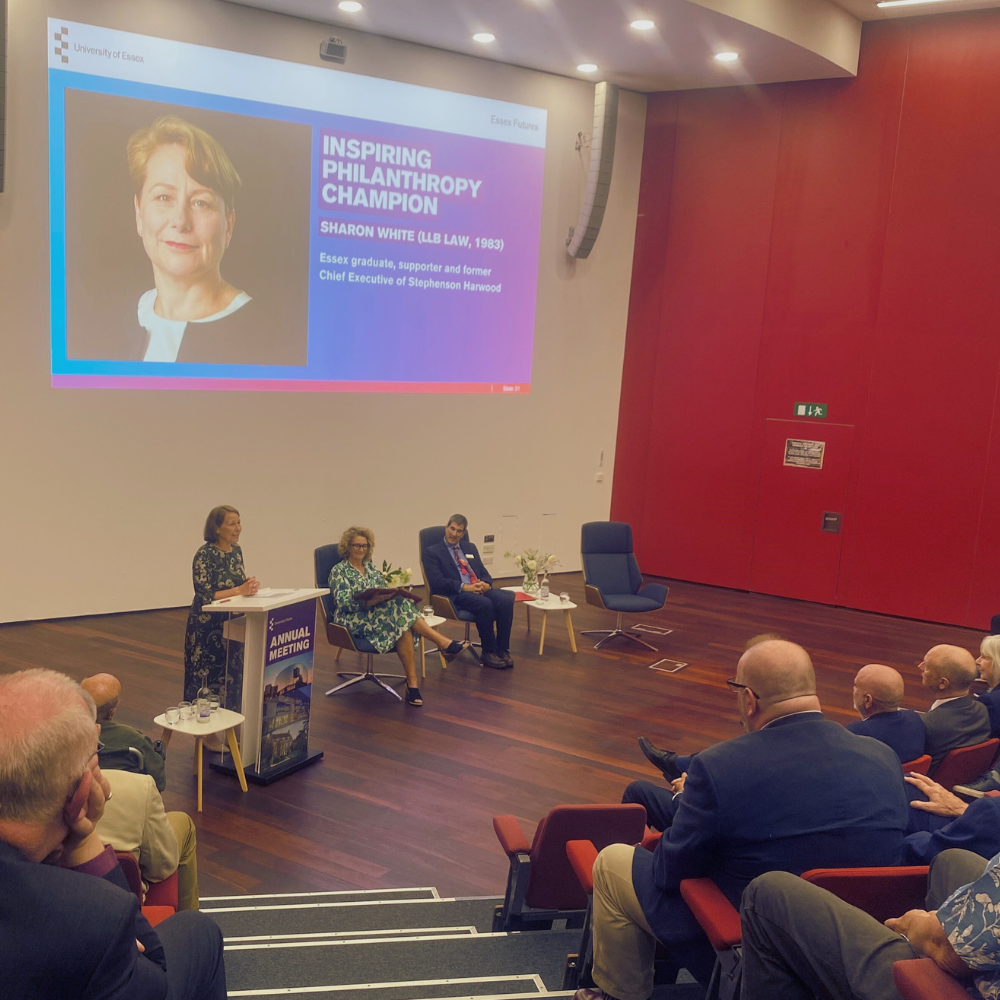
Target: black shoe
413	697
504	655
662	759
988	782
450	652
494	661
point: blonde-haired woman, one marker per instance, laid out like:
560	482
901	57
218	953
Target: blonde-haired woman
386	622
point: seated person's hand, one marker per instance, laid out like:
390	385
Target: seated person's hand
940	801
81	812
926	935
677	785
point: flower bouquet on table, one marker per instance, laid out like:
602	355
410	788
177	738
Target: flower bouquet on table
533	564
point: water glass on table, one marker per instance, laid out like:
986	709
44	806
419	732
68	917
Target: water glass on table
172	715
427	611
564	598
214	701
184	711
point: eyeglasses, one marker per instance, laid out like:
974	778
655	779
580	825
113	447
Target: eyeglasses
735	685
358	545
100	746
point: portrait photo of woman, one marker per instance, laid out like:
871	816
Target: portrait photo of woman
187	236
185	189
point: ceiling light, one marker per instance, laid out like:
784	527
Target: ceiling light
484	36
349	6
907	3
642	25
727	56
587	68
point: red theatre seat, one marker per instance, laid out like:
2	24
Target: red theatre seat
924	979
160	899
921	765
965	764
541	884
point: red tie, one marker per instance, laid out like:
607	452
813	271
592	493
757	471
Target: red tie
468	569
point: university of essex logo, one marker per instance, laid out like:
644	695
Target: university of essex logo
62	44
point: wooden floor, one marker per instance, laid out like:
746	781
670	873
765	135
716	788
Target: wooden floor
404	796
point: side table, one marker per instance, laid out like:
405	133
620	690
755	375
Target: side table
433	621
551	604
222	720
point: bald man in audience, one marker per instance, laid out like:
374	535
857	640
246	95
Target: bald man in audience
795	792
955	719
106	690
878	695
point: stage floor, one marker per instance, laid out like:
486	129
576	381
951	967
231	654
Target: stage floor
405	796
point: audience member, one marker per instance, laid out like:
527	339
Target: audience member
801	941
989	670
106	690
795	792
163	842
454	570
878	695
671	764
940	821
955	719
75	929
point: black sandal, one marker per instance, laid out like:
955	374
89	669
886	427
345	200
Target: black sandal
456	647
413	697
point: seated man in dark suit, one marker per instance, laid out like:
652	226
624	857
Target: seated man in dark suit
73	925
795	792
878	694
454	570
106	690
955	719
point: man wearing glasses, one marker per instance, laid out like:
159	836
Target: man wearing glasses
795	792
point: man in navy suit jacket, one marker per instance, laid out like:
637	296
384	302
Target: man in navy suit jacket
455	570
878	694
795	792
955	719
70	929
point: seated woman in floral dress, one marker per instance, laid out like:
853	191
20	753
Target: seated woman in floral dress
386	622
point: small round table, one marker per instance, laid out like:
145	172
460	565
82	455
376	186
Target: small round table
551	604
222	720
433	621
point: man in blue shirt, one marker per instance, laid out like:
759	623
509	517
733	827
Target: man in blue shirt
455	570
878	694
802	941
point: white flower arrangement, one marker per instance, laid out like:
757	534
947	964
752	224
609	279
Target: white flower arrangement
396	576
533	564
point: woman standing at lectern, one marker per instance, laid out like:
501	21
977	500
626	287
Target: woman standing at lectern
218	572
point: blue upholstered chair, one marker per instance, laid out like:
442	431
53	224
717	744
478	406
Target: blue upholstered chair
612	579
324	559
442	605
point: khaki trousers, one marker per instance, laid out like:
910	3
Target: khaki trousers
187	864
624	946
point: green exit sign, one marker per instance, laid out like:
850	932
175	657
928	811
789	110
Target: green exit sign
817	410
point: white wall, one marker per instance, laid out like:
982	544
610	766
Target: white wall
103	493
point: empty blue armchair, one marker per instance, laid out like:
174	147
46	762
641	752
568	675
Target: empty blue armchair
612	579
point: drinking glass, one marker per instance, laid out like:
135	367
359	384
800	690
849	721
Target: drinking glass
428	611
184	711
214	702
564	598
172	715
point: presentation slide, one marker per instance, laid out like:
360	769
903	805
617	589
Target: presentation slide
226	221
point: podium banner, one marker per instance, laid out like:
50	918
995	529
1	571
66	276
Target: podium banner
288	674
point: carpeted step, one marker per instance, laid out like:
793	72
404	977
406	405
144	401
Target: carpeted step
242	916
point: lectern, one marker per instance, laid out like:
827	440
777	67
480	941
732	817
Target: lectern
278	630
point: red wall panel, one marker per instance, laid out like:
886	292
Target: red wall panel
702	445
833	242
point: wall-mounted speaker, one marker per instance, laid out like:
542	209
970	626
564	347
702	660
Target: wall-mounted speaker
602	157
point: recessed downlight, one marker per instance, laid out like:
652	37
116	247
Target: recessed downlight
642	25
349	6
484	37
587	68
727	56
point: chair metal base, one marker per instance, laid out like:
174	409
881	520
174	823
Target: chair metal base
611	633
369	675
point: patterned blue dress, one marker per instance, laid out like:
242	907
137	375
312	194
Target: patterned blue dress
205	648
381	625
